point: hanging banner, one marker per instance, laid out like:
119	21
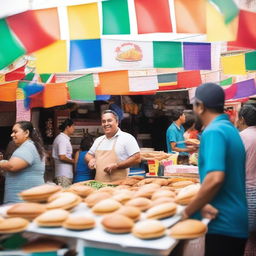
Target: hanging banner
127	54
22	114
233	65
143	83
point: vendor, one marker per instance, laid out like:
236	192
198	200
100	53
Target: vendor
113	153
175	135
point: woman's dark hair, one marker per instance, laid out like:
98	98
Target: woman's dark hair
33	135
86	143
248	113
65	124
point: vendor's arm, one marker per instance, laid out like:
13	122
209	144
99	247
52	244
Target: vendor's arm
91	161
132	160
14	164
209	188
175	148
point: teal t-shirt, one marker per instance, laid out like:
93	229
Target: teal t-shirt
175	134
221	149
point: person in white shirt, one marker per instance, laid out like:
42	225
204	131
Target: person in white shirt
62	154
113	153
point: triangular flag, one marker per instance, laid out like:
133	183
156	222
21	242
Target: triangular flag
153	16
10	48
84	21
190	16
167	54
52	59
234	65
85	54
188	79
228	8
246	36
115	17
82	88
50	92
36	28
216	28
48	78
16	74
8	91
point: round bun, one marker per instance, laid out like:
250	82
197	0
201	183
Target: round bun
117	223
130	212
141	202
188	229
81	190
181	184
96	197
163	193
79	222
13	225
162	200
161	211
148	229
106	206
185	195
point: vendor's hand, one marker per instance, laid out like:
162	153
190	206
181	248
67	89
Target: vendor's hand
192	149
209	212
92	163
111	167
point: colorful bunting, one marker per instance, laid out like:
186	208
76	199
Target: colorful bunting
190	16
167	54
250	60
167	82
32	88
52	59
234	65
85	54
84	21
50	92
10	48
230	92
36	100
113	83
245	89
197	56
216	28
8	91
82	88
126	54
153	16
143	83
36	28
226	82
246	36
228	8
16	74
48	78
189	79
115	17
2	78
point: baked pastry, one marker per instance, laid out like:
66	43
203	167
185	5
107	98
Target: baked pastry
140	202
181	184
186	195
188	229
13	225
106	206
148	229
161	200
130	212
122	197
79	222
96	197
163	193
39	193
117	223
161	211
52	218
81	190
26	210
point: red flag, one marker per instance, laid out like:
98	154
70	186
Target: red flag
16	74
36	28
189	79
230	92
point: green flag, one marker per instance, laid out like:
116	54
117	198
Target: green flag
45	77
227	81
167	54
82	88
250	60
115	17
10	49
228	8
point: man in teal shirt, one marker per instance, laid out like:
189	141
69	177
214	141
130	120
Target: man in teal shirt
222	174
175	134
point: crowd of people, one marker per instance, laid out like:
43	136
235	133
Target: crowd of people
227	164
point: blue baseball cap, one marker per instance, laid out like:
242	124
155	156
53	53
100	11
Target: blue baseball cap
211	95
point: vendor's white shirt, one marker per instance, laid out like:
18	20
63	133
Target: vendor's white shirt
62	146
126	145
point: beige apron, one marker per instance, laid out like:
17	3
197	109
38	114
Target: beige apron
104	158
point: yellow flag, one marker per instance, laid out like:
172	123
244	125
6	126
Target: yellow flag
216	28
20	94
234	65
84	21
52	59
